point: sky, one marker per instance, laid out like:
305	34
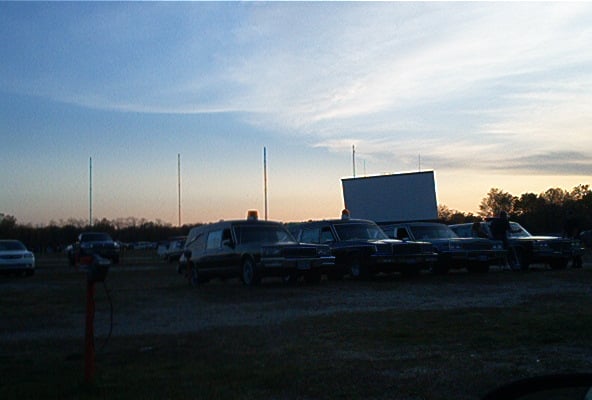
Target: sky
487	95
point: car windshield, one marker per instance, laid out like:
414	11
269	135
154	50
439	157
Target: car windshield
95	237
11	245
433	232
357	231
516	230
262	234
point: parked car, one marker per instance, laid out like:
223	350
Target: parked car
15	258
251	250
526	249
174	249
474	254
361	248
91	243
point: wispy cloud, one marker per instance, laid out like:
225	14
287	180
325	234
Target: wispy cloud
453	81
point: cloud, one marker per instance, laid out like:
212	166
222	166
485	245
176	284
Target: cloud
451	81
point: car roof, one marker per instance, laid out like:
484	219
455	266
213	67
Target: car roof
335	221
418	223
242	222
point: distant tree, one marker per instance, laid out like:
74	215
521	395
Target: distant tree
449	216
496	201
7	225
580	192
555	196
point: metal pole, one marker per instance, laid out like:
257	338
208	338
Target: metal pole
354	159
265	179
89	337
90	222
179	183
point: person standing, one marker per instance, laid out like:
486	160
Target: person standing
572	229
500	230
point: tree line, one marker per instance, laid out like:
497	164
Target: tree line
56	236
543	213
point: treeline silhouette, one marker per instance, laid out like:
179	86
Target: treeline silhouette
544	213
56	236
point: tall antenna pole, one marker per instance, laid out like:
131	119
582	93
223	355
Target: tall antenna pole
90	192
179	184
354	159
265	179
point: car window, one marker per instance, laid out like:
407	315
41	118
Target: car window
199	242
8	246
214	240
463	231
357	231
433	232
516	230
310	235
262	234
327	235
402	234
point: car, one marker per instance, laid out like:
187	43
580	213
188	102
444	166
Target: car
474	254
362	249
15	258
526	249
94	243
174	249
252	249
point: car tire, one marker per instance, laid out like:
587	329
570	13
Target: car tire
335	276
193	276
519	260
290	279
559	264
249	273
439	268
478	267
356	269
312	277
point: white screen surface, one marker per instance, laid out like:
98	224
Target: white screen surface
392	198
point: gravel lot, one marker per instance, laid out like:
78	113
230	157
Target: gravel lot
153	299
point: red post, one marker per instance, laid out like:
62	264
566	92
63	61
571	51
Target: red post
89	337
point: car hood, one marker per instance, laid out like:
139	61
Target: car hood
10	253
529	238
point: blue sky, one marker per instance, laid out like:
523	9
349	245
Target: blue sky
485	94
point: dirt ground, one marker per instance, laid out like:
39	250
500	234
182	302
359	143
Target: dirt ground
144	298
149	297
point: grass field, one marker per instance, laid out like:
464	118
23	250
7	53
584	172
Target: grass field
392	353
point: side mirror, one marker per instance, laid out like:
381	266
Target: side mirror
228	243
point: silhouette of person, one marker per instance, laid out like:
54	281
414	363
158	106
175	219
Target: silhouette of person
500	229
572	229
